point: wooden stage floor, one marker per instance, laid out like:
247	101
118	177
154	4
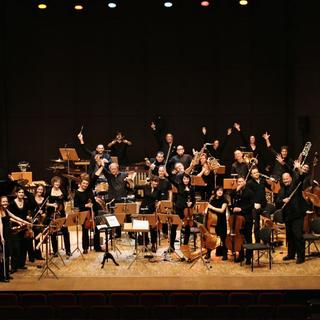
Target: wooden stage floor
86	274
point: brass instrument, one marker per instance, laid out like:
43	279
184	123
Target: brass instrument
213	163
197	156
304	153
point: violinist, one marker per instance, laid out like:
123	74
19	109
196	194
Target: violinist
119	147
9	241
218	206
38	206
207	176
257	185
20	207
55	209
84	200
185	199
243	204
151	195
293	213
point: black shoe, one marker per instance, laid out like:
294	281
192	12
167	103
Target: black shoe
248	262
23	268
153	248
300	260
31	260
208	255
13	271
237	260
55	254
225	257
4	280
85	251
287	258
40	258
170	250
69	254
9	278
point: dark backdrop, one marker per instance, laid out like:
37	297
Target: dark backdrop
120	69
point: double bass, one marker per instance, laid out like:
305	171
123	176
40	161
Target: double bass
235	239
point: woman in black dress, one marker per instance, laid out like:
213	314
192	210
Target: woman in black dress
218	205
5	226
55	209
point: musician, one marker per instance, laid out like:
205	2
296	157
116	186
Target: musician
257	185
84	200
283	163
7	239
182	157
165	191
151	195
214	149
293	214
243	203
38	202
166	145
119	146
239	167
218	206
19	244
98	152
207	176
55	209
185	198
154	164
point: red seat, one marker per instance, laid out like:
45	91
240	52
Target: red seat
33	299
212	298
182	298
62	299
151	299
241	298
92	299
292	311
274	298
123	299
8	299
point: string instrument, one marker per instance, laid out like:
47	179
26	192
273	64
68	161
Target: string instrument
208	230
89	223
188	215
235	240
39	216
16	229
312	193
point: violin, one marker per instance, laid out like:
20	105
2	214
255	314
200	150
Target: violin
235	240
89	223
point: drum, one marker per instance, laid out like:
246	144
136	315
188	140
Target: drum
102	188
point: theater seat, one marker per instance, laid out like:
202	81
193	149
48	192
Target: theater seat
92	299
212	298
241	298
8	299
123	299
62	299
33	299
182	298
151	299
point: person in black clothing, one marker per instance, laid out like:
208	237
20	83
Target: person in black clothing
151	195
283	163
6	238
215	148
257	185
20	207
239	167
242	204
55	209
99	152
119	147
165	145
164	185
185	199
154	164
84	200
293	213
182	157
218	206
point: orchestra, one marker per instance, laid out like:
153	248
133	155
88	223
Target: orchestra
232	214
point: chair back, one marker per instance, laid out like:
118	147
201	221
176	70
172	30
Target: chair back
315	226
265	235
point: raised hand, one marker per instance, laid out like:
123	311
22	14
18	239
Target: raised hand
266	136
237	126
153	126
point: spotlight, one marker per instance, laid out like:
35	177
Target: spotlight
243	2
42	6
112	4
205	3
168	4
78	7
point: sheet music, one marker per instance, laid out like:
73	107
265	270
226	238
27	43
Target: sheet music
140	224
112	221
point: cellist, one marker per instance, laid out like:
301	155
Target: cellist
243	200
217	209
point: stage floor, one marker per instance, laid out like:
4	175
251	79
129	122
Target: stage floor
158	274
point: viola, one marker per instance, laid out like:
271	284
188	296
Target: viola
89	223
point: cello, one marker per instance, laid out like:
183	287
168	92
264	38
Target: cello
235	239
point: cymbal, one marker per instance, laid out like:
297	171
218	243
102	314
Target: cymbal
56	168
139	163
57	160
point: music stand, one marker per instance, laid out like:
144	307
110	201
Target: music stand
22	175
197	181
55	226
137	226
107	223
126	207
76	219
229	183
